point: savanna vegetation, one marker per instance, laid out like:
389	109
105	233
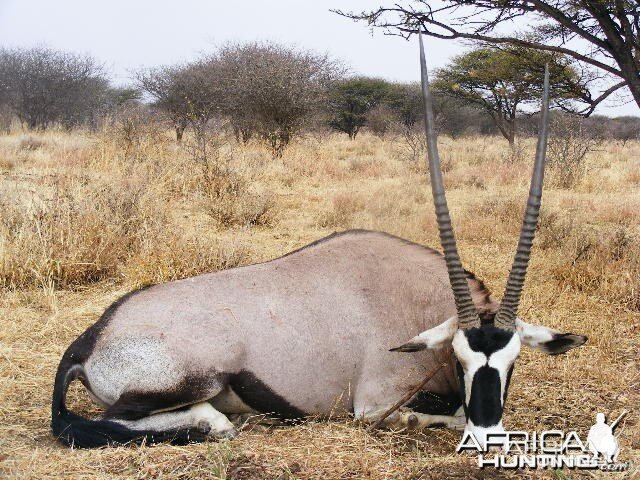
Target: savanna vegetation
274	93
87	216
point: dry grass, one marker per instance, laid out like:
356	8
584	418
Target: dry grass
85	218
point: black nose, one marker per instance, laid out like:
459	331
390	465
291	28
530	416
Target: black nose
485	403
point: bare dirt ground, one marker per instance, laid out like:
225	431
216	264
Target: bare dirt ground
85	218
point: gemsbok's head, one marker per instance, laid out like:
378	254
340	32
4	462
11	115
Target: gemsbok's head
486	351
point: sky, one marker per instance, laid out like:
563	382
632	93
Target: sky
127	35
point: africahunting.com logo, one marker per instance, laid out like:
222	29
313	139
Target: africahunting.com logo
549	448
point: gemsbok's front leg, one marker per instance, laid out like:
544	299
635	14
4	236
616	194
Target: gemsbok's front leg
406	418
417	421
372	415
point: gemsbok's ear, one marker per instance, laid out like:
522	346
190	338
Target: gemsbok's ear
436	337
546	339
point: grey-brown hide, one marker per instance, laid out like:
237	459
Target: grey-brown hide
314	326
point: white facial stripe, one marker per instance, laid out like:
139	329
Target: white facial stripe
471	361
503	359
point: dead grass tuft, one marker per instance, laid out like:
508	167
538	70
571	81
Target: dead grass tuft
343	207
469	177
31	143
230	200
502	212
368	167
633	176
554	228
603	264
80	231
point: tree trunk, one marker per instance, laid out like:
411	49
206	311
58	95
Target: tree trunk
511	132
5	121
621	45
631	75
506	127
179	133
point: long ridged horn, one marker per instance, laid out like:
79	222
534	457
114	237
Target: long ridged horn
506	316
467	314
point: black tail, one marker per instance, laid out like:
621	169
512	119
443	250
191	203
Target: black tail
76	431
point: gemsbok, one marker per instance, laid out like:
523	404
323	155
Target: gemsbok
308	334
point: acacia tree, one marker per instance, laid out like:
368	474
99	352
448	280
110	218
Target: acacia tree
453	116
5	109
405	99
502	81
351	100
603	34
271	89
186	94
202	95
42	86
159	84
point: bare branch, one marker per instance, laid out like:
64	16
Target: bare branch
610	29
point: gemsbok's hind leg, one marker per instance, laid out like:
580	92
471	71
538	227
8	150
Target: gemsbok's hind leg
201	416
172	407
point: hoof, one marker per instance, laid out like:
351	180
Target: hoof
204	427
412	421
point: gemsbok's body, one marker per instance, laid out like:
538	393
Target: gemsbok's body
309	334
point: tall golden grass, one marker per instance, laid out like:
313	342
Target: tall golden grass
85	217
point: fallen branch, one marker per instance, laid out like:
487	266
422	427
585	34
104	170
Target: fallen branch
617	420
406	397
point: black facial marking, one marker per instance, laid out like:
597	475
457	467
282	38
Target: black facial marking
485	403
434	404
260	397
487	317
463	394
488	339
563	342
506	385
485	406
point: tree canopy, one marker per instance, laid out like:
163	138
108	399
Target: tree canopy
273	89
599	34
183	93
42	86
501	81
350	101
